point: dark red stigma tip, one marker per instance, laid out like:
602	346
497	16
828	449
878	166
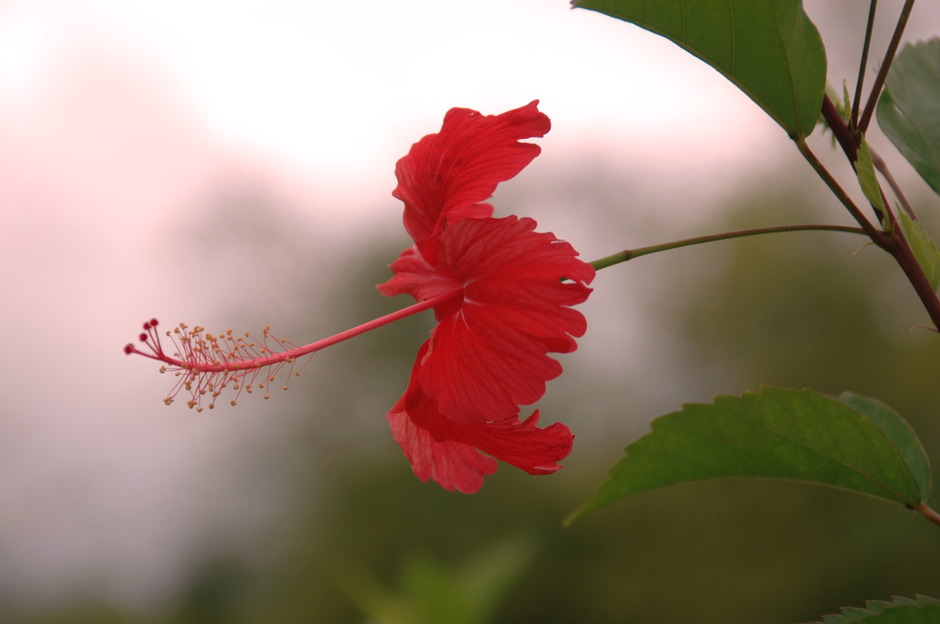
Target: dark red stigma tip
128	349
143	337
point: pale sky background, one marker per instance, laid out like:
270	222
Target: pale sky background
117	117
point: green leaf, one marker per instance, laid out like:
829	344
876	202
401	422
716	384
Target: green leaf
924	248
852	443
769	49
909	108
899	434
920	610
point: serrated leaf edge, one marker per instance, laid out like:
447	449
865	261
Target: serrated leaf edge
589	506
874	608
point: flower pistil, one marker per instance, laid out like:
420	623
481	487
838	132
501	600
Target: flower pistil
208	364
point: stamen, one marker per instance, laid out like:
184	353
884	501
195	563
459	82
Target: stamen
206	364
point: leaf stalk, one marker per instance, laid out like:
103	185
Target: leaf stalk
863	62
928	513
876	235
885	65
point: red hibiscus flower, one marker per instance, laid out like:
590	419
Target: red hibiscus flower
501	293
488	353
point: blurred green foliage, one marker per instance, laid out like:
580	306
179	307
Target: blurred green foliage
366	542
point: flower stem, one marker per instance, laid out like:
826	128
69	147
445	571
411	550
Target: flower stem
630	254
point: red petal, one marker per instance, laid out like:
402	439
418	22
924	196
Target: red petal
449	452
445	175
489	355
520	443
415	276
452	465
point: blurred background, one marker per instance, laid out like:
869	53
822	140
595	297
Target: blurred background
230	164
